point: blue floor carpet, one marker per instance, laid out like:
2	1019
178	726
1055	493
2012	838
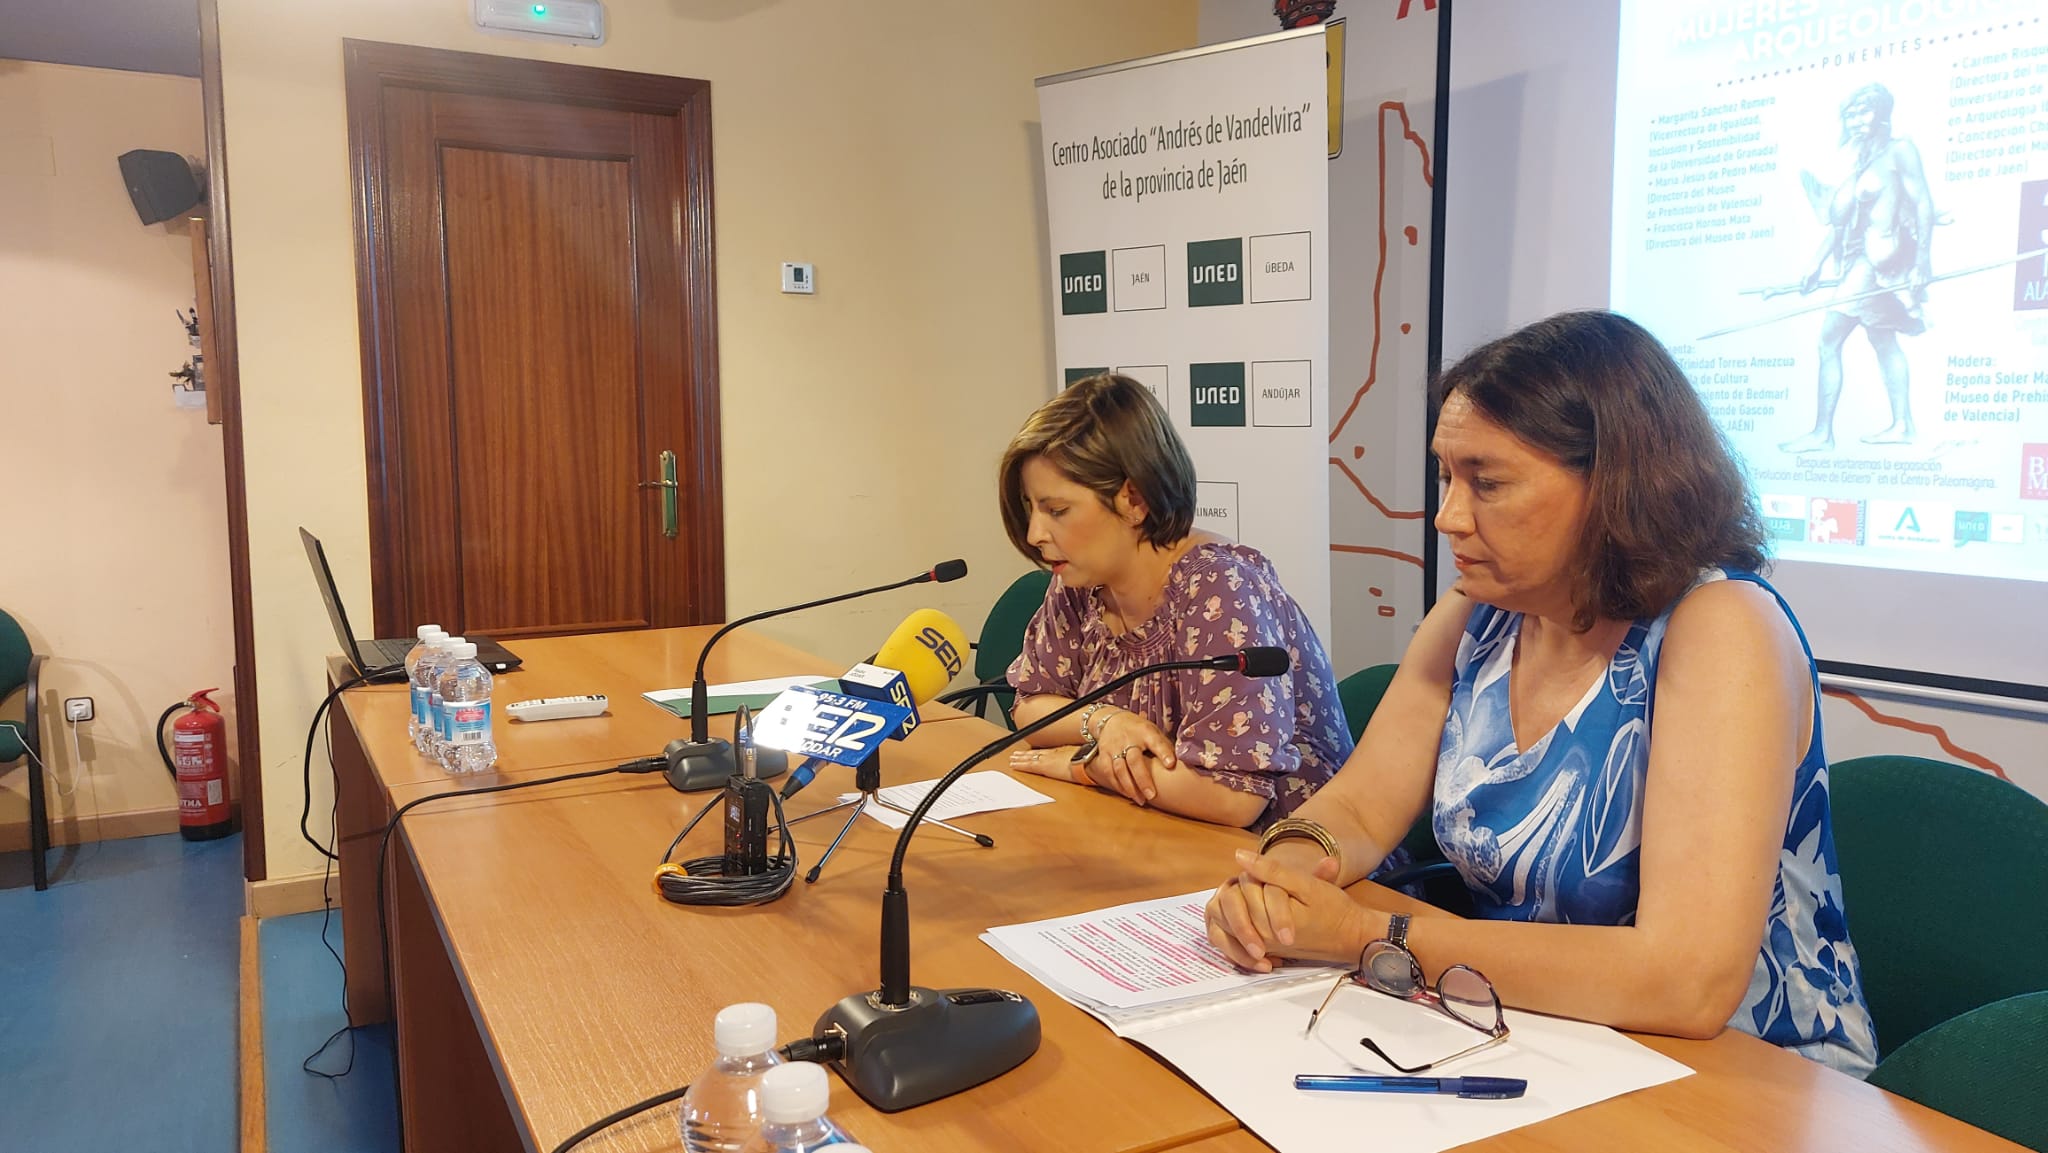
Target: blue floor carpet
301	1008
118	997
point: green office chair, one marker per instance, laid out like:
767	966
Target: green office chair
1985	1067
21	666
1002	638
1945	882
1360	694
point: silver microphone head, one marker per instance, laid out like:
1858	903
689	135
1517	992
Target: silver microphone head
743	740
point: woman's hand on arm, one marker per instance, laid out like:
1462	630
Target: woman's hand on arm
1186	794
1135	760
1129	751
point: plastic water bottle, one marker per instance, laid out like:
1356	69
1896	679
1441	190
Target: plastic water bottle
437	716
793	1100
467	745
426	719
428	634
722	1110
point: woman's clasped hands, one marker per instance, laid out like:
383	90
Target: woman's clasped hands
1285	905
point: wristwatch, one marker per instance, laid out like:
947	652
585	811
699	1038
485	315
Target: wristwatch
1397	932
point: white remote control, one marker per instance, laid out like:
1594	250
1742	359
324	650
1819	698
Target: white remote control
556	708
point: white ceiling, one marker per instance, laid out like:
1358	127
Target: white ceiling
133	35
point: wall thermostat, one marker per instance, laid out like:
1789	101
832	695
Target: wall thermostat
798	278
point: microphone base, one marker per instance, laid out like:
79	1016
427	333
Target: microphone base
944	1041
701	766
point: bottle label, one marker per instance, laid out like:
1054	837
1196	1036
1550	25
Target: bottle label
469	723
422	700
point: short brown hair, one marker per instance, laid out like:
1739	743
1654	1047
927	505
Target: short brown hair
1665	498
1101	431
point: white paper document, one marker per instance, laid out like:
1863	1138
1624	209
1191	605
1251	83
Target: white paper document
730	696
1243	1037
1137	956
983	792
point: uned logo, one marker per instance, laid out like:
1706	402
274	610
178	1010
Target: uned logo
1215	272
1083	284
941	648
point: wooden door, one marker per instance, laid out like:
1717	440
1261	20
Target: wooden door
535	281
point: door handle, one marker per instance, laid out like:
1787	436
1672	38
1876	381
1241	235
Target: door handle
671	498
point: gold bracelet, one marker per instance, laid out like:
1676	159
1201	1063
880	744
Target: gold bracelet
1297	828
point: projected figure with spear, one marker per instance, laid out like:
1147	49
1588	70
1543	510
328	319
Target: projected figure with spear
1880	223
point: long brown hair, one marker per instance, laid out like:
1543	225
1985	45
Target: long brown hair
1665	496
1101	431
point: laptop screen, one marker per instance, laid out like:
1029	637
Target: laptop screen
324	577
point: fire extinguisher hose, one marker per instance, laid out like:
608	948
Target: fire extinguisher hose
161	749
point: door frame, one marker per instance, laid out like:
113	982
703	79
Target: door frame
224	381
369	68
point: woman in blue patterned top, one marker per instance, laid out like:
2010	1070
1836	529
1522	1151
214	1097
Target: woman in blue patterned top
1611	718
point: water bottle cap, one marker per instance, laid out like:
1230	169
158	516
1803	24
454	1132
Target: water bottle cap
794	1093
454	640
426	631
744	1029
465	650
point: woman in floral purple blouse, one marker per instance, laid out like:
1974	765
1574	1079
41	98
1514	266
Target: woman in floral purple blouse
1098	487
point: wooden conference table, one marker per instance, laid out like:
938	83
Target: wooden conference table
540	982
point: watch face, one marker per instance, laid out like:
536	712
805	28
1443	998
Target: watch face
1082	754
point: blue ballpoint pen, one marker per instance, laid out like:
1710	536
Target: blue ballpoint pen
1472	1088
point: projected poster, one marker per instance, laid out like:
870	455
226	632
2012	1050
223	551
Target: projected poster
1835	213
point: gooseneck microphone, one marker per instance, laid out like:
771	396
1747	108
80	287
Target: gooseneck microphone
900	1045
706	762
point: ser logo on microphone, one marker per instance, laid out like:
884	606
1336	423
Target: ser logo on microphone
942	648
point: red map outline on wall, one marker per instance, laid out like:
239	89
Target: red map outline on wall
1939	734
1372	371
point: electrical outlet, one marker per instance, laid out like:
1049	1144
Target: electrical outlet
77	709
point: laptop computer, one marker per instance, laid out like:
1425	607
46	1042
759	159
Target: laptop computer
368	656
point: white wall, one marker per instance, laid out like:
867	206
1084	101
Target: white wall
116	530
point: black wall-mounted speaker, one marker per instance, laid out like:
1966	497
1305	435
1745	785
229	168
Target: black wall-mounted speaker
160	183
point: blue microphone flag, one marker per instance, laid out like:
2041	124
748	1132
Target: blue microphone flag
828	726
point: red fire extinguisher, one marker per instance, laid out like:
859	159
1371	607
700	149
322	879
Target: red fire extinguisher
200	766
